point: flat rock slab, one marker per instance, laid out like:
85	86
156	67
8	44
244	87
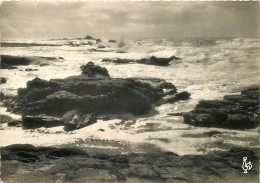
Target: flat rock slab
234	111
27	163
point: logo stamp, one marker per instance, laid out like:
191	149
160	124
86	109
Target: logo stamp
246	166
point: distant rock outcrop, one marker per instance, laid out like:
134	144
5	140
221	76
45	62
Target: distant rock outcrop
148	61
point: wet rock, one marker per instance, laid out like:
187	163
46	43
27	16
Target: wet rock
212	133
234	111
74	120
8	61
98	41
148	61
101	46
31	122
112	41
2	80
87	94
92	70
17	123
176	97
148	167
30	69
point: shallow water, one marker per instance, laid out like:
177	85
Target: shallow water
209	69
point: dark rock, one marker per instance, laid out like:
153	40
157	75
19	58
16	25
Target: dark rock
74	120
89	37
112	41
98	41
211	133
148	167
9	62
30	69
151	61
176	97
62	152
92	70
86	94
101	46
234	111
17	123
2	80
31	122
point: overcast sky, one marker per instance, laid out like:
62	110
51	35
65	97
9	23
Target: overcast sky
128	19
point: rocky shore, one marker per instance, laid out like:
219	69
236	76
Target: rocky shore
93	93
234	111
25	162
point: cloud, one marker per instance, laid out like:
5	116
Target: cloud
129	19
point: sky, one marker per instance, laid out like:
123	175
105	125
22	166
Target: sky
141	19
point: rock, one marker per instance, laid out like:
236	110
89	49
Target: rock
101	46
140	167
88	94
92	70
17	123
151	61
31	122
234	111
74	120
28	153
112	41
10	61
176	97
89	37
2	80
212	133
98	41
30	69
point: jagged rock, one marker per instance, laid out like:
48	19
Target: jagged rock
74	120
102	95
92	70
234	111
153	166
89	37
148	61
31	122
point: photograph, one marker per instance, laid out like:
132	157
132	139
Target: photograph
129	91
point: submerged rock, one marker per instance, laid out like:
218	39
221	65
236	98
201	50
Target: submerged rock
148	61
21	160
74	120
234	111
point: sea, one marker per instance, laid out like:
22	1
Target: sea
209	69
